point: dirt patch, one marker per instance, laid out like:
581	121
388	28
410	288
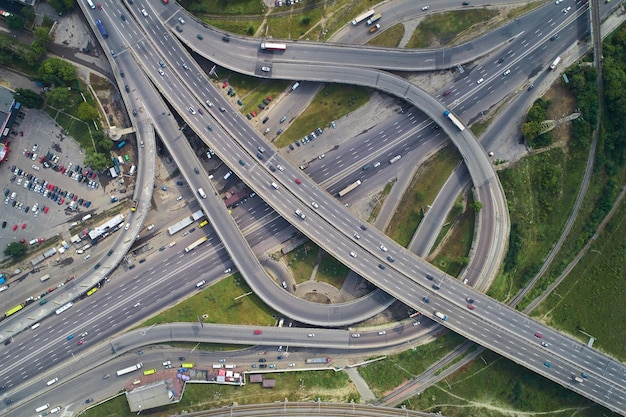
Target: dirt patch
562	103
316	297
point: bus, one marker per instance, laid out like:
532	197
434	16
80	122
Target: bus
454	120
188	365
349	188
272	46
149	371
363	17
203	223
91	291
196	244
44	278
63	308
13	310
102	29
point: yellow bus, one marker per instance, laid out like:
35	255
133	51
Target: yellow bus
14	310
149	371
203	223
91	291
187	365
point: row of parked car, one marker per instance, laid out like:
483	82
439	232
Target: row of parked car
51	160
308	138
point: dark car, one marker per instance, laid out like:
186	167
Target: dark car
225	38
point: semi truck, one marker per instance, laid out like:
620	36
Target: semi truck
129	369
374	18
441	316
349	188
318	360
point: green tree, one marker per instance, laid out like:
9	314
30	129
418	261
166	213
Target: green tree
28	98
59	98
56	71
476	206
28	13
15	22
531	130
97	161
103	143
15	249
41	35
86	112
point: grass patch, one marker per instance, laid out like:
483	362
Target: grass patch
245	27
389	38
380	201
244	7
294	386
597	278
453	256
452	216
538	212
331	271
217	302
302	260
443	28
385	375
422	192
296	23
333	102
503	388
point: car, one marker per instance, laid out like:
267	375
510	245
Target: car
199	36
280	168
554	37
228	270
507	72
470	300
416	323
4	224
382	333
298	181
141	144
311	335
279	131
241	162
196	170
161	72
466	3
315	205
480	81
353	254
538	335
263	366
179	29
363	227
185	66
357	236
292	365
257	332
262	360
259	155
282	119
70	337
265	69
123	20
383	248
547	364
425	8
35	167
81	341
280	357
390	258
544	344
88	400
426	299
99	6
471	306
225	38
181	20
222	109
356	335
261	149
191	110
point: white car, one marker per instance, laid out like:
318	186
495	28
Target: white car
357	236
191	110
480	81
127	226
383	248
507	72
35	167
87	257
315	205
353	254
300	214
265	69
208	103
280	168
425	8
161	72
181	20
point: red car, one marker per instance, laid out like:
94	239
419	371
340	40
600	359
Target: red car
99	6
166	1
45	209
75	197
41	158
224	84
268	98
93	175
23	226
298	181
15	226
471	306
81	341
539	335
257	331
61	201
253	113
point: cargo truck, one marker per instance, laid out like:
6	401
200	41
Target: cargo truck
374	18
318	360
375	28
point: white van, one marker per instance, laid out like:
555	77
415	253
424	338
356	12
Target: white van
132	170
52	381
295	86
90	3
228	174
201	193
45	278
275	185
4	288
43	407
200	284
120	160
55	410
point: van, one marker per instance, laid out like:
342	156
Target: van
132	170
4	288
55	410
217	366
52	381
43	407
267	130
201	193
200	284
120	160
44	278
228	174
91	5
144	13
275	185
295	86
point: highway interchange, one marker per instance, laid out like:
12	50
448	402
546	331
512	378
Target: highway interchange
566	355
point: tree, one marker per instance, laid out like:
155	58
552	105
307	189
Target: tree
86	112
41	35
28	13
103	143
59	98
15	249
28	98
476	206
16	22
97	161
57	71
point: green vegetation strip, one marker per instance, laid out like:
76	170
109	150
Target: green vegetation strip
333	102
422	192
302	260
389	38
218	303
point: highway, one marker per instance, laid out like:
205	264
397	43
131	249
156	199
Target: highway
368	254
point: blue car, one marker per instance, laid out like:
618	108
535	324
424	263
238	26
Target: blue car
70	337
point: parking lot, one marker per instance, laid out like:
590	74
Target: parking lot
42	183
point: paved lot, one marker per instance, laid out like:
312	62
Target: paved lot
39	129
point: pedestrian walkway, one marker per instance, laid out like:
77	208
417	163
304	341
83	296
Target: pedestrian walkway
367	395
